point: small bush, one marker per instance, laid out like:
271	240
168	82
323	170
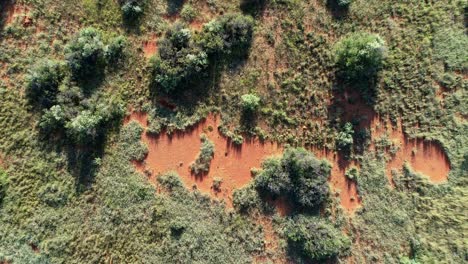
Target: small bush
352	174
202	163
344	3
43	82
250	102
245	199
344	139
360	55
132	9
114	51
188	13
132	146
315	239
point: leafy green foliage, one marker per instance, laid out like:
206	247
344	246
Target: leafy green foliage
344	2
114	50
43	82
202	163
178	60
298	175
245	198
449	46
315	239
344	139
188	13
85	53
360	55
132	146
250	102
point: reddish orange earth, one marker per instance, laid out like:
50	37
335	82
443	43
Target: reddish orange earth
232	164
425	157
150	47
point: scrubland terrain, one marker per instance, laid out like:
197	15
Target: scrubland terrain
251	131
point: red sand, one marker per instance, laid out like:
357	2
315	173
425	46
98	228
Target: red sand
233	164
425	157
150	47
230	163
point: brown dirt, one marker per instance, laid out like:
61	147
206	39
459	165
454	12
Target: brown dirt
16	10
150	47
426	157
196	25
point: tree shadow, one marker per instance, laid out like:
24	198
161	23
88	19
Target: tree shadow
338	11
255	8
174	7
6	6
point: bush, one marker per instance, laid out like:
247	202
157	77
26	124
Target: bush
245	199
84	128
298	174
344	3
132	9
178	59
344	139
132	146
227	34
114	51
202	163
250	102
85	53
450	46
188	13
43	82
352	174
315	239
360	55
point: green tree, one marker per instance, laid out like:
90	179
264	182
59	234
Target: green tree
344	139
359	55
84	127
43	82
85	52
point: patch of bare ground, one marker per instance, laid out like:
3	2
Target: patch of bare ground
424	156
150	46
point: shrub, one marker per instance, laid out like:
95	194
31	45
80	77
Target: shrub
344	3
84	128
250	102
359	55
132	9
132	146
202	163
85	52
52	119
43	82
114	51
178	59
227	34
188	13
298	174
245	199
344	139
352	173
315	239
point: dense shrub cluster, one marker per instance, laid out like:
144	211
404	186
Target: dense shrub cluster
359	56
183	56
344	139
132	9
315	239
202	163
298	175
71	106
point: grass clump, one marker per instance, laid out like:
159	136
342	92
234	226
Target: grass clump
202	163
132	146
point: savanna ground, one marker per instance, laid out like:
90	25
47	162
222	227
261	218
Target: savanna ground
108	202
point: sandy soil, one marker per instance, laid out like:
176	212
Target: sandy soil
150	47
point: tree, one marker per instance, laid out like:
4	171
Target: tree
85	53
114	51
84	127
360	56
344	140
43	82
132	9
315	239
250	102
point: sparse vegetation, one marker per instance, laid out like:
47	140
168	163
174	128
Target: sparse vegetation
202	163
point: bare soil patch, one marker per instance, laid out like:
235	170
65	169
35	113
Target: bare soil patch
150	47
